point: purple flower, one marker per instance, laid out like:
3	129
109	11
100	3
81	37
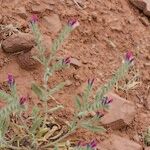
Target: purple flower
34	19
73	23
22	100
129	57
106	100
66	61
93	144
11	80
90	82
90	145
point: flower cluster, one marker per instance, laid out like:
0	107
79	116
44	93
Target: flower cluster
91	145
90	82
73	23
106	100
129	57
11	80
34	19
66	61
22	100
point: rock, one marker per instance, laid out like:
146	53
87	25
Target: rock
68	83
143	5
1	18
116	142
144	21
52	23
148	102
40	8
136	138
26	60
74	62
121	113
21	11
18	42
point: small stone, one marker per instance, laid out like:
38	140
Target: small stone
27	62
148	102
52	23
21	11
68	83
116	27
1	18
121	112
136	138
116	142
50	2
39	8
18	42
143	5
144	21
74	62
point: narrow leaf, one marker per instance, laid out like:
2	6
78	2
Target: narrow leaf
56	88
93	128
78	103
35	111
5	97
55	108
36	124
39	92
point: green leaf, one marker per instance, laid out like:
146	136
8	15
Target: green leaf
5	97
86	95
36	124
35	111
39	92
4	124
56	147
78	103
93	128
56	67
55	108
56	88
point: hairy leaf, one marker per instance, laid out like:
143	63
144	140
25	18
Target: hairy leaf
5	97
78	103
56	88
39	92
36	124
55	108
93	128
35	111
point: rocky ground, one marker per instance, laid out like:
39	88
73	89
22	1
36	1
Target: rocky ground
108	29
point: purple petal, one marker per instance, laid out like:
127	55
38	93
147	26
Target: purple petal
110	100
129	57
73	23
34	19
22	100
90	82
93	144
11	80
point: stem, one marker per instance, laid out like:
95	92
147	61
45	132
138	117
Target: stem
24	124
15	148
46	114
46	104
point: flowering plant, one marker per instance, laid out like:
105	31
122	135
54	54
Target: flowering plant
34	129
